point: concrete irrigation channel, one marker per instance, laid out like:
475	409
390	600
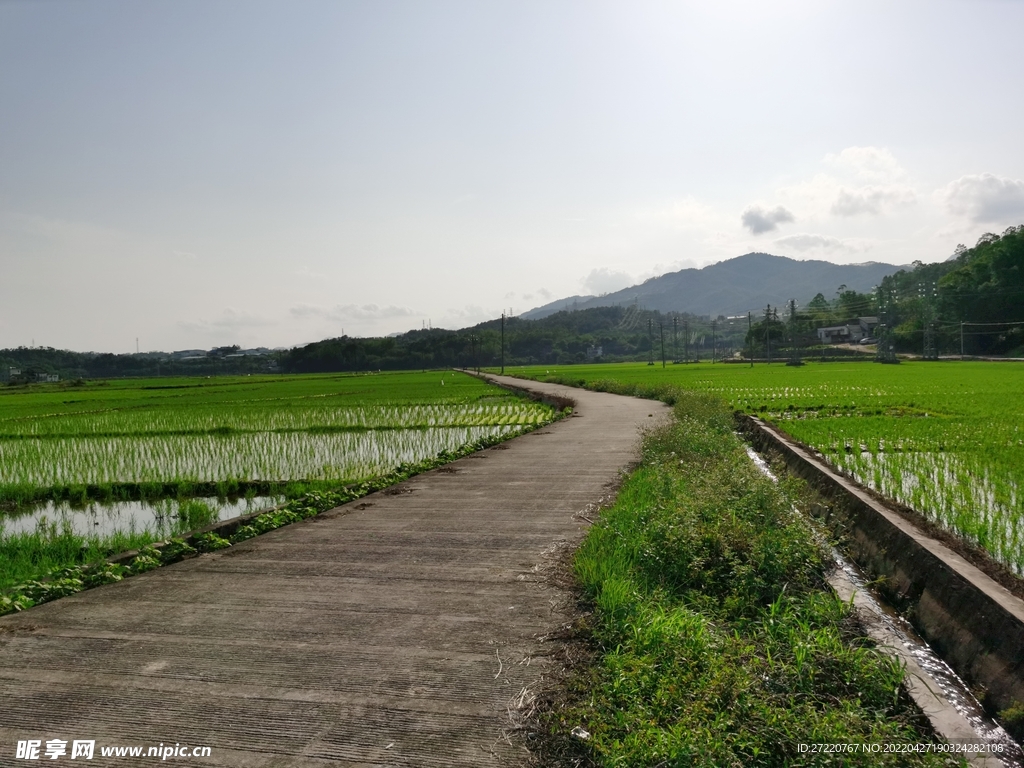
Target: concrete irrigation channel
974	624
406	628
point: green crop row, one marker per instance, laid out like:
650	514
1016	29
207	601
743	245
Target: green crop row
946	438
246	456
264	417
146	439
56	562
273	393
163	432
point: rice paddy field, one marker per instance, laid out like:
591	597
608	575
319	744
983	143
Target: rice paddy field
946	438
139	460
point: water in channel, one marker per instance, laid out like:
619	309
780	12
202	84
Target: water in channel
945	679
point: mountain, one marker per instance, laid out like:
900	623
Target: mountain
731	287
572	302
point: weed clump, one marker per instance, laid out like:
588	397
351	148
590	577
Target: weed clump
717	639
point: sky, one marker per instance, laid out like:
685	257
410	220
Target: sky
191	174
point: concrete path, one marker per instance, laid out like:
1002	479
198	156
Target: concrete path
399	630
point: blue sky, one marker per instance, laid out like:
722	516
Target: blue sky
205	173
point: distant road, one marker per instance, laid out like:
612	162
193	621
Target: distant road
401	629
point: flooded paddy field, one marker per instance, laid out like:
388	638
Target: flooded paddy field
255	455
116	462
163	517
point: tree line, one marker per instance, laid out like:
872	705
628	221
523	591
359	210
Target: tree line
572	336
973	301
976	297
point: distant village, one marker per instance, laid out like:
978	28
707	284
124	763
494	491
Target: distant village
16	375
858	331
220	352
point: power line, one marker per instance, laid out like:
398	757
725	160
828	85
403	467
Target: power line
957	324
1006	322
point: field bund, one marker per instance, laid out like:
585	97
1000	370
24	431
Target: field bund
973	622
409	627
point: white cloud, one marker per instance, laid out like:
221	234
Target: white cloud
804	241
230	320
372	312
760	220
866	163
604	280
469	315
307	310
985	198
307	272
663	269
860	180
544	293
681	212
717	240
818	244
343	312
872	200
810	196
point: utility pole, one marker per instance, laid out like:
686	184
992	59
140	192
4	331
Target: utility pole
748	337
886	348
767	332
794	354
714	340
961	339
650	339
686	340
675	339
930	342
661	327
927	292
503	343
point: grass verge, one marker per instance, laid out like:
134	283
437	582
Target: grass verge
716	640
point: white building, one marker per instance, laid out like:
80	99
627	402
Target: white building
850	332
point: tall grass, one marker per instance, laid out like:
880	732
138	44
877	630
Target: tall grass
24	556
718	641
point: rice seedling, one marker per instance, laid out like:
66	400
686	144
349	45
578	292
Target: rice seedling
945	438
340	428
131	444
63	572
342	456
